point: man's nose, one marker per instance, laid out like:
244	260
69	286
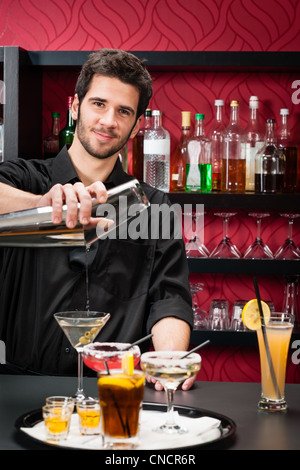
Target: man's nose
108	118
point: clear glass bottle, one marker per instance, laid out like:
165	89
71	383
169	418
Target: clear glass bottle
66	135
233	174
254	142
157	154
290	298
269	163
138	147
51	142
216	136
286	144
199	154
178	160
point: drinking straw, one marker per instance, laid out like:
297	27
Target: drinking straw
273	376
138	342
195	349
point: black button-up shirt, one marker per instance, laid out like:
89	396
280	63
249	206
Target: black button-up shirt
138	281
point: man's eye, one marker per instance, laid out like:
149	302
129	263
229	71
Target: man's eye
125	112
99	104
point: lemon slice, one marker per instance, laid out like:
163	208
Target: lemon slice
127	363
251	315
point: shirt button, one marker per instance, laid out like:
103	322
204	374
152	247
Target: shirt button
67	350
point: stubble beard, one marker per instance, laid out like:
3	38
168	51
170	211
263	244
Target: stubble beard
101	154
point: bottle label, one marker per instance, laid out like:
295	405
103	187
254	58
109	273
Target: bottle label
157	147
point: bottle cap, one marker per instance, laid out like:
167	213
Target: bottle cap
148	112
234	103
270	120
156	112
199	116
254	102
219	102
284	111
55	115
185	118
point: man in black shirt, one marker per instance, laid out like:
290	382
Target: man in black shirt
143	283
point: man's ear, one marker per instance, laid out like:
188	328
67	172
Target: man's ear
75	107
135	128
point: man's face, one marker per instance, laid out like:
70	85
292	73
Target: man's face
107	115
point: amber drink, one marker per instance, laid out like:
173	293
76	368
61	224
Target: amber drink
121	397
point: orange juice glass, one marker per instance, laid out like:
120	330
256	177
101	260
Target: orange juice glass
273	341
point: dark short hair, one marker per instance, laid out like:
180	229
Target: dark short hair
117	64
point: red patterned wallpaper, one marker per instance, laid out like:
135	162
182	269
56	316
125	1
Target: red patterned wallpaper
171	25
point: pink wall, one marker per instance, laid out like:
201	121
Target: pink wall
168	25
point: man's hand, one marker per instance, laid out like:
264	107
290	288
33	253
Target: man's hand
171	334
70	195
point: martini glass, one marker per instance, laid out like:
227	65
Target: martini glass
170	369
258	249
194	248
200	316
289	250
81	328
225	249
103	356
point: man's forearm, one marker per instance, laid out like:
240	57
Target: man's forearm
13	199
170	334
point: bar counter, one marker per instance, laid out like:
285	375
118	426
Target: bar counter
254	430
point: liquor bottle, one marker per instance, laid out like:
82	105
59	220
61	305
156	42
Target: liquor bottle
199	153
269	163
178	160
285	143
138	147
254	142
66	135
233	174
216	136
157	154
51	143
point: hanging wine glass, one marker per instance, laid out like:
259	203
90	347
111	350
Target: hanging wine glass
200	316
258	249
225	249
194	248
289	250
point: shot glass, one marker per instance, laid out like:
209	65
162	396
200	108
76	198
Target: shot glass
89	416
273	341
218	315
61	401
57	421
236	317
121	397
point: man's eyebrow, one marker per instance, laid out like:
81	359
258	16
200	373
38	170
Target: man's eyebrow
103	100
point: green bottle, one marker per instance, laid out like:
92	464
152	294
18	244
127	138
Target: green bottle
66	135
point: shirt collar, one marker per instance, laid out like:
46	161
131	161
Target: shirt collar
64	171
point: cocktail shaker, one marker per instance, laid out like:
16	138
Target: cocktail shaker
34	227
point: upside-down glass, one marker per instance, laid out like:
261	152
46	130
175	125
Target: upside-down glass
289	250
273	341
81	327
194	247
225	249
200	316
258	249
170	370
218	315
